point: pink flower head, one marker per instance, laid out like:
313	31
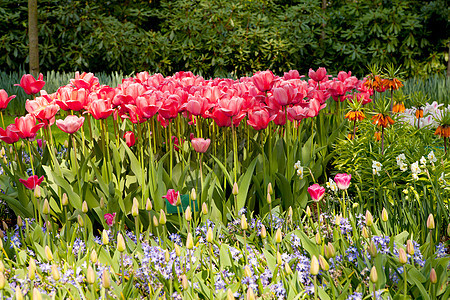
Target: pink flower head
342	181
318	75
200	145
26	127
109	218
263	80
32	181
4	99
8	136
317	192
130	139
31	85
71	124
172	197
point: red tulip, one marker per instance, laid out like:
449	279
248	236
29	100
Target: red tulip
292	74
200	145
315	107
263	80
297	112
30	85
129	138
337	91
259	119
198	105
32	181
220	118
69	98
170	107
318	75
43	108
342	76
342	181
284	94
4	99
148	105
8	136
109	218
26	127
230	106
100	109
85	80
317	192
71	124
172	196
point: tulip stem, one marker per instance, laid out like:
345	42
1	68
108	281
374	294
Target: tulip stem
405	287
31	156
170	149
3	122
211	270
315	287
233	132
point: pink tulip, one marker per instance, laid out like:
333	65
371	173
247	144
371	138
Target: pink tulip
71	124
259	119
230	106
172	196
263	80
200	145
85	80
284	94
130	139
8	136
43	108
100	109
26	127
318	75
32	181
317	192
4	99
342	181
109	218
30	85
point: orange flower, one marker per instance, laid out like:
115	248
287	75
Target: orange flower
375	83
355	115
392	84
350	136
377	136
443	131
382	120
398	107
419	113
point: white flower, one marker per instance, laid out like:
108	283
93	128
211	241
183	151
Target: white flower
376	165
403	167
415	176
400	159
415	168
431	157
300	172
442	178
332	185
423	161
376	172
297	165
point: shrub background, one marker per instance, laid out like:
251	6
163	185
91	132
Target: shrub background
227	38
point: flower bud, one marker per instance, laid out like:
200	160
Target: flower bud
2	281
369	219
323	263
48	253
162	217
372	249
373	275
80	221
287	269
135	208
384	215
402	259
250	294
102	203
365	233
36	294
184	282
193	195
90	275
247	272
188	214
269	198
167	256
244	224
177	250
120	243
314	269
65	200
269	188
355	205
37	192
148	205
84	207
278	236
448	229
49	225
235	190
94	256
263	232
19	294
204	209
433	276
2	267
66	144
230	295
46	207
5	161
209	235
338	220
2	235
318	239
105	237
19	221
409	247
55	273
106	282
31	269
279	259
290	212
308	212
155	221
189	241
430	222
5	226
331	250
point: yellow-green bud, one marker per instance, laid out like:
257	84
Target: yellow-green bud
120	243
279	259
193	195
5	226
155	221
46	207
36	294
369	219
135	207
244	224
189	241
263	232
55	273
235	190
167	256
148	205
247	272
338	220
204	209
106	282
84	207
323	263
188	214
2	281
37	191
430	222
402	258
365	233
105	237
373	249
384	215
94	256
269	188
318	239
278	236
409	247
80	221
250	294
209	235
102	203
19	221
308	212
177	250
64	200
314	268
287	268
355	205
433	276
184	282
48	253
331	250
269	198
32	269
90	275
19	294
162	217
373	275
230	295
2	267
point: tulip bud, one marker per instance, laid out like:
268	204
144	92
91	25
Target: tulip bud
369	219
269	188
19	221
84	207
263	232
323	263
19	294
433	276
162	217
402	259
338	220
106	282
80	221
287	269
314	269
384	215
204	209
148	205
184	282
135	208
2	281
36	294
430	222
2	235
188	214
230	295
46	207
365	233
193	195
94	256
244	224
2	267
278	236
373	249
167	256
37	192
2	152
318	239
189	241
279	259
250	294
177	250
105	237
90	275
209	235
269	198
66	144
331	250
102	203
65	200
448	229
31	269
290	212
235	190
247	272
409	247
155	221
5	161
48	253
55	273
5	226
120	243
49	225
373	275
355	205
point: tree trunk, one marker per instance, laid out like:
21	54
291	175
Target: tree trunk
33	37
322	36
